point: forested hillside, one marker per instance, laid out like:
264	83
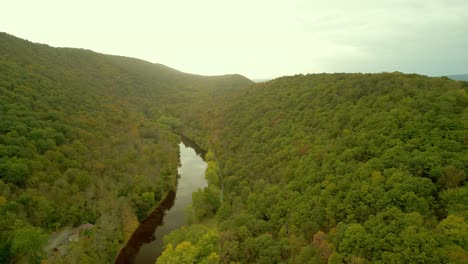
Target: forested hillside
334	168
85	138
323	168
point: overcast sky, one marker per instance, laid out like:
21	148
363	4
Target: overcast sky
256	38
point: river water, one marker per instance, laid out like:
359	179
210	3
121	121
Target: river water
146	243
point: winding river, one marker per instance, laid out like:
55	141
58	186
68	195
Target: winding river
146	243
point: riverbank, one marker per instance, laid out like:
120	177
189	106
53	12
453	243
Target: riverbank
146	244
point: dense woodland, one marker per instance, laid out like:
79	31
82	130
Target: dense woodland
323	168
334	168
84	138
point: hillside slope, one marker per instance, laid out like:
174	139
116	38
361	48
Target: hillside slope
84	138
339	168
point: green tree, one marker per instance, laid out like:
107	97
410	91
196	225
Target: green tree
456	230
15	170
28	240
184	253
143	204
206	202
451	177
212	173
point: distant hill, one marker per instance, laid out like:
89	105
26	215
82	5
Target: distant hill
459	77
261	80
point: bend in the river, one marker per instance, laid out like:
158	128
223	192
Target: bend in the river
146	244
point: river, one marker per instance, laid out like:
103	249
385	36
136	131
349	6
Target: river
146	243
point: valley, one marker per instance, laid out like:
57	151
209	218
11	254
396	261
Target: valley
316	168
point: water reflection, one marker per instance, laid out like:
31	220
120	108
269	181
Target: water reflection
146	243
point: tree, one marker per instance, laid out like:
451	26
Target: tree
212	173
200	237
456	230
171	122
355	241
451	177
28	240
184	253
143	204
205	202
210	156
15	170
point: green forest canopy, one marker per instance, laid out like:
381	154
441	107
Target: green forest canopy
337	168
84	138
342	168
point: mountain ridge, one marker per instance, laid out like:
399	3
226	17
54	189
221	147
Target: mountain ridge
5	37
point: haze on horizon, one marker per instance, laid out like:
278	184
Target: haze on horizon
259	39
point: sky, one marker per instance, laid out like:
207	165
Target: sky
256	38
